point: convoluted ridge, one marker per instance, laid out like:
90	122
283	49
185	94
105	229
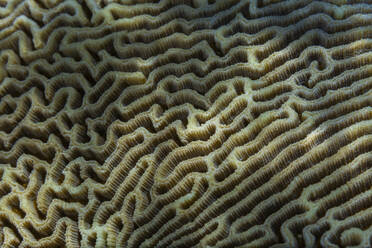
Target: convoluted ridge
185	123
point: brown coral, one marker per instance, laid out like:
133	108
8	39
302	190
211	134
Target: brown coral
185	123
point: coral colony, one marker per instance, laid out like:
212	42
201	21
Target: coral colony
185	123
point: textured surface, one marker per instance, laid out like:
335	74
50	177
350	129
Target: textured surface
185	123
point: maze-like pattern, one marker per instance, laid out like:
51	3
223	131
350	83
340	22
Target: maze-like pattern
185	123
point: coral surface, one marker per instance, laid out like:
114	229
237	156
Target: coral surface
185	123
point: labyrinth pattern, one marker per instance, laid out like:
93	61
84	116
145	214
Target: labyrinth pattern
185	123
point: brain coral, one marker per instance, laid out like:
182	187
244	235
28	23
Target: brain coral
185	123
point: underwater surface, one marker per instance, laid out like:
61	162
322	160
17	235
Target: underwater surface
185	123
